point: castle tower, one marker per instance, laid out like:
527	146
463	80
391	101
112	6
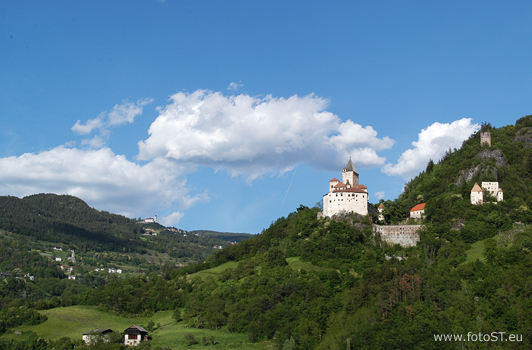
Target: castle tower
477	196
485	138
349	174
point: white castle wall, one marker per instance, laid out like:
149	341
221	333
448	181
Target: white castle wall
334	203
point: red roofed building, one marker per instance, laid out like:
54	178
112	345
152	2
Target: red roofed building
418	211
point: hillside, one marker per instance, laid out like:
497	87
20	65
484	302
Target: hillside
446	185
226	236
68	220
309	283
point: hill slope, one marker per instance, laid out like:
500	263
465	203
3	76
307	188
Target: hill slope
69	220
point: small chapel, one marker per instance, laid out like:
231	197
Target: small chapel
346	196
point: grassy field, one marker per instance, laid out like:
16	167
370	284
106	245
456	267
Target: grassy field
296	264
73	321
475	252
215	271
477	249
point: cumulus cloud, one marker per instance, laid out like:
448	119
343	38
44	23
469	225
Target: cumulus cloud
124	113
256	135
432	144
172	219
101	178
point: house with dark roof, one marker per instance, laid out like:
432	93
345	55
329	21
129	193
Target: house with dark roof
91	337
134	335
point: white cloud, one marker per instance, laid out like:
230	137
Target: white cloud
126	112
101	178
379	195
253	135
90	125
432	144
120	114
96	142
234	86
172	219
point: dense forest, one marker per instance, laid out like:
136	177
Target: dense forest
308	283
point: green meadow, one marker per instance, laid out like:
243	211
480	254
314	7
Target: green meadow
73	321
475	252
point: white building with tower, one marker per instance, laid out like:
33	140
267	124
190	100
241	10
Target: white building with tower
346	196
477	192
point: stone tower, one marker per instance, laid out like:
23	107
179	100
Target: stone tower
349	174
485	138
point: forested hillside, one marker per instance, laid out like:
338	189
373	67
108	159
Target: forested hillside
69	220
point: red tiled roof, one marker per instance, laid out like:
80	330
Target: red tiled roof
418	207
334	179
340	184
381	206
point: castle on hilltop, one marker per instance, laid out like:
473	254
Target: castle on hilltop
347	196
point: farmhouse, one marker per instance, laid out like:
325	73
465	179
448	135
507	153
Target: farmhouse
418	211
134	335
93	336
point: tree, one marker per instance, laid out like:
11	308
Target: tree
190	339
289	344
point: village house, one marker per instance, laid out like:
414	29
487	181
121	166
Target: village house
381	212
418	212
66	268
93	336
134	335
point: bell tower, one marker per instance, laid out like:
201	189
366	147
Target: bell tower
349	174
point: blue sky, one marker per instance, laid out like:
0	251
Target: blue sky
226	115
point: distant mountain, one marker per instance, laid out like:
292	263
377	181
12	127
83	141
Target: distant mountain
67	219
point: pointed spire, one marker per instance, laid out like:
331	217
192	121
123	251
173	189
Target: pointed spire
350	166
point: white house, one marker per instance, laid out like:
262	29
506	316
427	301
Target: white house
92	337
346	195
418	211
381	212
134	335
